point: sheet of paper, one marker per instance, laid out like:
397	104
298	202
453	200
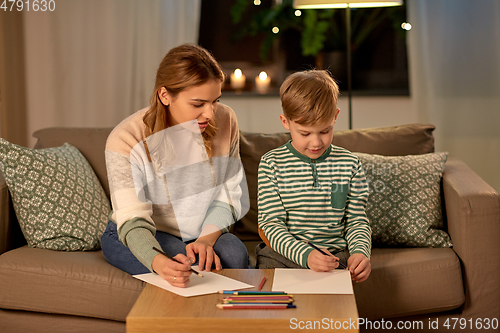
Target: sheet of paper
306	281
208	284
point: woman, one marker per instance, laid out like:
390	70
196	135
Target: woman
175	175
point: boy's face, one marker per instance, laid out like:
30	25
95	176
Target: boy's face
312	140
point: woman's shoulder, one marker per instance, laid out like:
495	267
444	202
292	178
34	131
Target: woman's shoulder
127	133
224	112
225	118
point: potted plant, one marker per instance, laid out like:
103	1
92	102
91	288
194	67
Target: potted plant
320	30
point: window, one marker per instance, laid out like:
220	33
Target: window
378	43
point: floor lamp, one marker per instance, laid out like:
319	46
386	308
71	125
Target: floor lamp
348	4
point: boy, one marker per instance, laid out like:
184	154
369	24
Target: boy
311	191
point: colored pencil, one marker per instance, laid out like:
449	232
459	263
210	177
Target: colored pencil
251	292
251	297
173	259
258	302
321	251
262	283
255	306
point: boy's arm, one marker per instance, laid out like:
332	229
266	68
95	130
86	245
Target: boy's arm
357	227
272	217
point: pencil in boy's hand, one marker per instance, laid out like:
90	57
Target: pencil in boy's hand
173	259
323	252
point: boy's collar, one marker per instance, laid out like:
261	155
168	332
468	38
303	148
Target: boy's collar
308	159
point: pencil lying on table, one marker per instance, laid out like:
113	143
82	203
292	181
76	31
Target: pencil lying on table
258	299
256	306
269	300
262	283
251	292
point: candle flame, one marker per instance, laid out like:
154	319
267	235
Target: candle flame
263	75
238	73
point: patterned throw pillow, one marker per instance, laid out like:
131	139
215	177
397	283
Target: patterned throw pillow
58	200
404	204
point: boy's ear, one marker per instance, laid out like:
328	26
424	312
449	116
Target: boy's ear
285	122
164	96
336	115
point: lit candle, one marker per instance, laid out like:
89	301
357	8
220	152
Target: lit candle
237	79
262	82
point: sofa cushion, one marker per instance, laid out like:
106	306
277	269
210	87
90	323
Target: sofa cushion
404	204
395	140
411	139
89	141
72	283
410	281
59	202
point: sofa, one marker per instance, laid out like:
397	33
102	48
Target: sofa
61	291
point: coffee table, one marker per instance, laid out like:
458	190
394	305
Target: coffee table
158	310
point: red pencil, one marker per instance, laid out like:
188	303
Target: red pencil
262	283
255	306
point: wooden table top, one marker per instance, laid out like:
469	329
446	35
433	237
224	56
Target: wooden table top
158	310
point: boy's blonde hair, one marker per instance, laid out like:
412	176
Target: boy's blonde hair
309	97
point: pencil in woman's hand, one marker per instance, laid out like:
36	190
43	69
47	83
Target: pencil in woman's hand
173	259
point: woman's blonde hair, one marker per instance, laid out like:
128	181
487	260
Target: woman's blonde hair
184	66
309	97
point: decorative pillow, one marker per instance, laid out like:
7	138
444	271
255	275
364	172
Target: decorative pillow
404	204
58	200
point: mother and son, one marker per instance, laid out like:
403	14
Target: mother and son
177	183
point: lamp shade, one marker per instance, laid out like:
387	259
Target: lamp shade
319	4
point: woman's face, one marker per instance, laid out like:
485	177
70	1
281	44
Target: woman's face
194	103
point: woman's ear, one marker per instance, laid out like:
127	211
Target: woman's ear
164	96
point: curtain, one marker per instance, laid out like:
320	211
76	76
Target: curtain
93	62
454	56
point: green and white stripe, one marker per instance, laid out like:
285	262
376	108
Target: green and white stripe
322	201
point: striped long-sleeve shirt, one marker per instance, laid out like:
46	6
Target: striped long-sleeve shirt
322	201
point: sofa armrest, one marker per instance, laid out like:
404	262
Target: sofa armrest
10	233
473	217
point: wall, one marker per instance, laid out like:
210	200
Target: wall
261	114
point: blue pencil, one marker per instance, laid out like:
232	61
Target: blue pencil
320	250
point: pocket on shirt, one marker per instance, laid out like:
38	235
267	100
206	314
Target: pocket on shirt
338	195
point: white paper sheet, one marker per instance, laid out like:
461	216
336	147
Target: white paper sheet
306	281
208	284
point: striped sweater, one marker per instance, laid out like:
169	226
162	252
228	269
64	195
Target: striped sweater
322	201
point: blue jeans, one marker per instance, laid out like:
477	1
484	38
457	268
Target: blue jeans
230	249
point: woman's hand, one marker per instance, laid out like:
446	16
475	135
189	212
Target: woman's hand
204	248
206	255
177	274
359	266
319	262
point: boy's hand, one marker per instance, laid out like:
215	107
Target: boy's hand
319	262
359	266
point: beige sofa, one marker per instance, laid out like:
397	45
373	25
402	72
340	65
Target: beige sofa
49	291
